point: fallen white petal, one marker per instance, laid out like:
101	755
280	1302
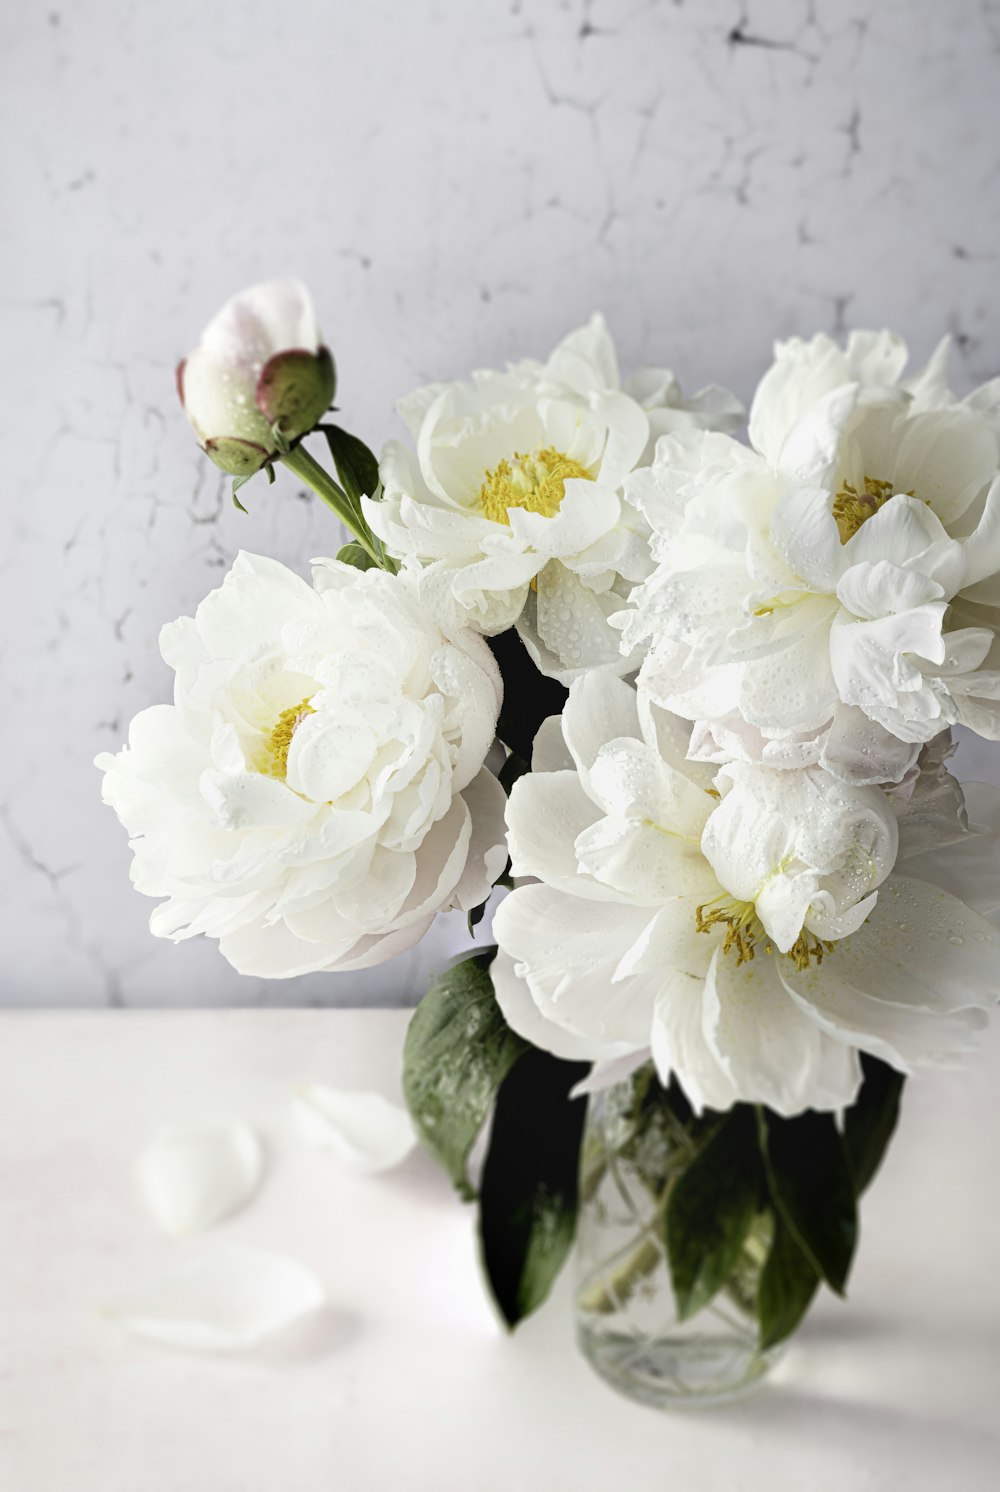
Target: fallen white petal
225	1301
193	1175
363	1130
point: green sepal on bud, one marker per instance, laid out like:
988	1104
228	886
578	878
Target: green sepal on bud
240	458
295	389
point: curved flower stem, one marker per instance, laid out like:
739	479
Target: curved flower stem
309	470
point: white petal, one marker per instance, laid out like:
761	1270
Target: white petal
926	948
549	752
486	801
608	1072
801	373
225	1301
363	1131
192	1176
546	812
679	1046
568	950
585	360
772	1052
599	709
876	358
966	864
524	1016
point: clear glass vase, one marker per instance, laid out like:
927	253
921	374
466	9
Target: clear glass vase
635	1144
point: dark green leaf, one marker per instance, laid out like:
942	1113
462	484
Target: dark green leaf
475	917
870	1121
528	696
788	1283
356	465
353	554
513	768
711	1207
458	1050
810	1181
528	1201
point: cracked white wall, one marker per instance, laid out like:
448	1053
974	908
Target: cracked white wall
460	184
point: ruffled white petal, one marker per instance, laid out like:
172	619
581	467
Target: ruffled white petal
578	555
569	961
315	795
525	1017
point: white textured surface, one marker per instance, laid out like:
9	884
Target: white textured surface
408	1382
460	183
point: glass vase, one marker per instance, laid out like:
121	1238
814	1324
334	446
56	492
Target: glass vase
638	1140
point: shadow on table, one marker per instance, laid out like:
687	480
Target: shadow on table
855	1379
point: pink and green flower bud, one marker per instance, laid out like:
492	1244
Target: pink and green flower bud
260	368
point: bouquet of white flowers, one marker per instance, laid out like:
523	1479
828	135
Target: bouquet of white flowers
689	701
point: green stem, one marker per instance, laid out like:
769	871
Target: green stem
609	1295
309	471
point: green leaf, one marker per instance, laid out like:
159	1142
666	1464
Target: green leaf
528	1201
710	1209
513	768
458	1050
354	554
809	1178
476	916
356	466
870	1121
788	1283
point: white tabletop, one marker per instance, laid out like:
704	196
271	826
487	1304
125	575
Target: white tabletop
408	1382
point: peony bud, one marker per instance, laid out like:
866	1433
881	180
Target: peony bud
259	366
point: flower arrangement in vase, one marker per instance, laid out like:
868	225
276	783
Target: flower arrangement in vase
688	700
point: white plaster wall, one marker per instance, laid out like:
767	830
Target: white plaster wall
460	182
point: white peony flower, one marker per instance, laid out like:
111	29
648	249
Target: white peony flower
510	505
750	930
316	793
832	595
260	363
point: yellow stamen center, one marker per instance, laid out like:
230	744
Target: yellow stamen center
852	508
746	933
745	928
280	739
535	482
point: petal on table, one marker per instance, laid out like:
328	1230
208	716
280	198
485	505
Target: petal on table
225	1301
194	1175
364	1131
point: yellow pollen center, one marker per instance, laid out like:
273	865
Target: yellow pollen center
535	482
746	933
852	508
280	739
